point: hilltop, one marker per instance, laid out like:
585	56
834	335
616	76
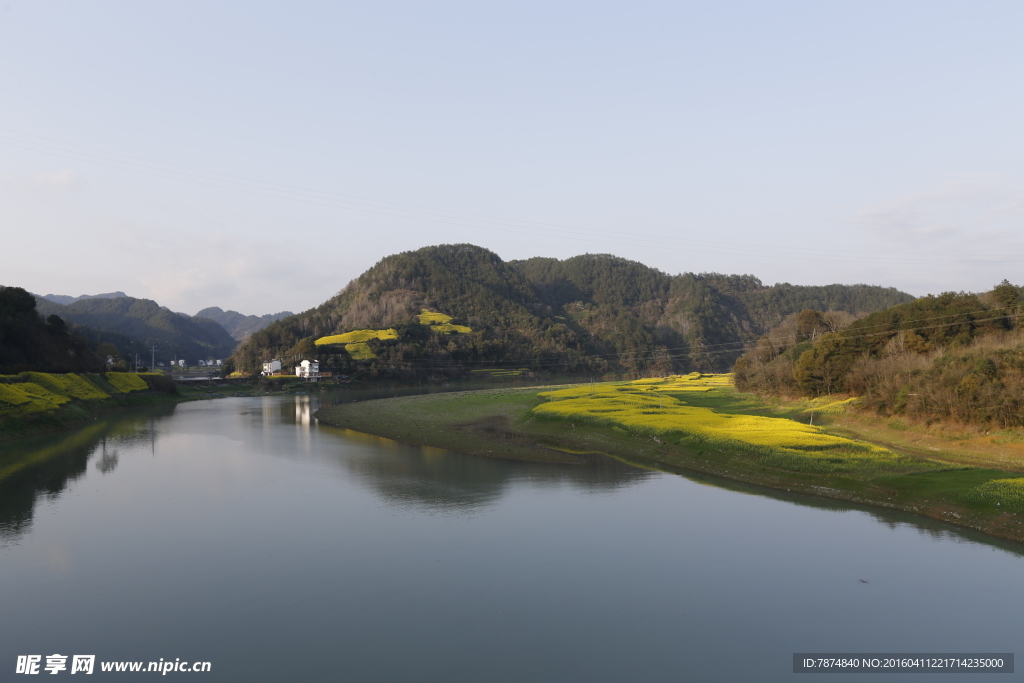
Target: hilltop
594	313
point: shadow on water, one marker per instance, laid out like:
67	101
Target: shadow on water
43	467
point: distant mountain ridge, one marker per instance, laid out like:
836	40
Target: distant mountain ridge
65	300
594	313
240	326
135	325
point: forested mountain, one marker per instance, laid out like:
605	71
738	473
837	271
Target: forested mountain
588	314
952	356
240	326
135	325
27	342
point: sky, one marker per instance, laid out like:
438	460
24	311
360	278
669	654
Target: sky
259	156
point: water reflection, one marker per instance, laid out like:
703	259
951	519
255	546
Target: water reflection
42	468
432	478
402	475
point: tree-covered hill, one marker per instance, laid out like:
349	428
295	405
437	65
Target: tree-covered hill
594	313
134	325
28	342
956	356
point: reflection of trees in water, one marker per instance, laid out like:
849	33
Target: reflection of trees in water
45	466
441	480
108	461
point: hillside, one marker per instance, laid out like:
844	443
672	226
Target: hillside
139	324
27	342
240	326
588	314
954	356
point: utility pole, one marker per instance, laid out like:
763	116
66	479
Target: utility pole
152	364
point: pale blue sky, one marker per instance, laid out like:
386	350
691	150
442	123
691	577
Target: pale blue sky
258	156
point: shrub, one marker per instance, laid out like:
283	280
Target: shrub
159	382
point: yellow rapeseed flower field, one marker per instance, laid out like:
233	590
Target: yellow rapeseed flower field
439	322
70	385
28	397
356	336
433	318
653	407
126	381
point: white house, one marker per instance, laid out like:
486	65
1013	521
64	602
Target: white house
308	369
271	366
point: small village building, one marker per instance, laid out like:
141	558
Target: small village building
308	369
271	366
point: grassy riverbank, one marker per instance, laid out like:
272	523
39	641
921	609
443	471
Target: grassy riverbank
38	403
709	428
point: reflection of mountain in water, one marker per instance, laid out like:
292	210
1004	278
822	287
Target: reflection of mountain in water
437	479
45	466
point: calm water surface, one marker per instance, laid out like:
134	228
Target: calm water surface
242	533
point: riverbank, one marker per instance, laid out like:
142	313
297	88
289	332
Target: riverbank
504	423
38	404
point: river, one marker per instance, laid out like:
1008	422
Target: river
242	533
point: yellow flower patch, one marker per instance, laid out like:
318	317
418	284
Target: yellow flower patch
28	397
70	385
648	407
126	382
356	336
439	322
